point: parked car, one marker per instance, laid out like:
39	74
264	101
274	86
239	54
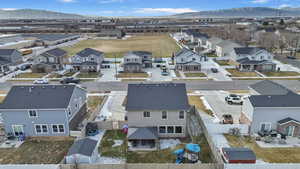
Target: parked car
291	57
232	96
25	67
214	70
41	81
227	119
69	80
234	99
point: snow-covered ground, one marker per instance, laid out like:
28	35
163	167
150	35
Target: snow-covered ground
169	143
117	143
109	160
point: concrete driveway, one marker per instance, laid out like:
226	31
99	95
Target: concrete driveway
216	99
156	75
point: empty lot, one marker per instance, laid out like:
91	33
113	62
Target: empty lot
159	45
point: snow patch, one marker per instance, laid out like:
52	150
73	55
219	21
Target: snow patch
207	106
117	143
169	143
109	160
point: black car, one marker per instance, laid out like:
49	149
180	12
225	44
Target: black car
25	67
214	70
69	80
291	57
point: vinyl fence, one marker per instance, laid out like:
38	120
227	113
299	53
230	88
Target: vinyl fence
225	128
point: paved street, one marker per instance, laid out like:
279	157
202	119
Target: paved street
191	85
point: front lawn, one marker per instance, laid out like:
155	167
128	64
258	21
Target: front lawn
271	155
132	75
31	75
37	151
212	55
198	103
281	74
225	62
236	73
106	146
195	74
89	75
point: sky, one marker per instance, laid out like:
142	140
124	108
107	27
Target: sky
139	7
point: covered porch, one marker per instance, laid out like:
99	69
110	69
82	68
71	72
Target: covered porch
143	139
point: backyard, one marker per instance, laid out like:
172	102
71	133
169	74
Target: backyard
271	155
92	103
236	73
37	151
109	148
159	45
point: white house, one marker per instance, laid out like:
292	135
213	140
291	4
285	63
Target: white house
212	42
225	48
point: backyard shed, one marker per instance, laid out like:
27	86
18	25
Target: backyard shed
238	155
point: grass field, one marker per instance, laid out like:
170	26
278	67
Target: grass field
196	101
132	75
225	62
37	151
195	74
236	73
271	155
281	74
159	45
31	75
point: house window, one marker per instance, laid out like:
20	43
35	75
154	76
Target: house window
32	113
41	128
181	115
178	129
170	129
164	115
265	126
146	114
162	129
58	128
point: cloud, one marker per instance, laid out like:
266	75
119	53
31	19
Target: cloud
284	6
67	1
109	1
8	9
164	10
260	1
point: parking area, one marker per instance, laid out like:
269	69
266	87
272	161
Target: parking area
216	99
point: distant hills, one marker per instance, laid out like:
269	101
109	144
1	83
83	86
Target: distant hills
244	12
36	14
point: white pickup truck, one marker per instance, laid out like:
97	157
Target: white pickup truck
234	99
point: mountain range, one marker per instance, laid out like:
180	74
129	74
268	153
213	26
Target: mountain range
234	12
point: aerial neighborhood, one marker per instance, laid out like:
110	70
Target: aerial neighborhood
199	90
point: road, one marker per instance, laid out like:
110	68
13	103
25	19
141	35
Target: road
191	85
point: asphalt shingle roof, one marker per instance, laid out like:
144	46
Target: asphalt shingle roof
239	154
144	133
289	100
84	146
5	52
38	97
247	50
88	51
165	96
268	87
55	52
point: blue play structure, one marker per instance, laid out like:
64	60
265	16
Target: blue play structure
191	152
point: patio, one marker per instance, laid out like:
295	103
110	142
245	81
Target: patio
280	143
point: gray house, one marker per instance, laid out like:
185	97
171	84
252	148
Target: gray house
9	57
137	60
187	60
253	59
273	108
88	60
43	110
155	111
49	61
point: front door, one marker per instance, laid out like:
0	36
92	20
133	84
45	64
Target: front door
290	130
18	130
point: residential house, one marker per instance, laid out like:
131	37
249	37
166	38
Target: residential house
43	110
197	39
187	60
225	48
253	59
51	60
274	108
51	39
137	60
88	60
155	111
212	43
8	59
83	151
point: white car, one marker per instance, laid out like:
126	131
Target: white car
41	81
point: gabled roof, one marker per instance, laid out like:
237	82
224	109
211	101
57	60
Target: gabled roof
88	51
5	52
57	52
239	154
164	96
50	37
286	120
185	56
214	40
289	100
143	133
247	50
141	53
196	34
268	87
253	62
84	146
38	97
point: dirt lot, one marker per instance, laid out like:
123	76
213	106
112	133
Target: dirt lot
159	45
271	155
37	151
